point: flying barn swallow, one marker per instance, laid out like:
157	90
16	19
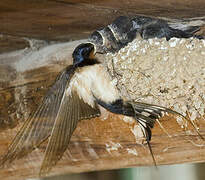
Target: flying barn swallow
77	93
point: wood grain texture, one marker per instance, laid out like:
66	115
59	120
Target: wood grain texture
71	20
102	143
108	142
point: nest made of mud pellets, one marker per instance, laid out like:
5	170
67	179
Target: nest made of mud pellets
167	73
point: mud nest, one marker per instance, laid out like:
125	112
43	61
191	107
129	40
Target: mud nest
167	73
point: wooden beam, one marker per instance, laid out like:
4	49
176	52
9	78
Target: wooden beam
71	19
109	142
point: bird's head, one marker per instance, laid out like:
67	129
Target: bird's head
84	51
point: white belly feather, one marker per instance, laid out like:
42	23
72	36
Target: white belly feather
90	81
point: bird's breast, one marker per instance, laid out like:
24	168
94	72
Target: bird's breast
92	82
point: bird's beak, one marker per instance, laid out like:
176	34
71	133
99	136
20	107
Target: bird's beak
94	51
92	54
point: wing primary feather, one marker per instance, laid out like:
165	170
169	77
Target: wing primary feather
69	116
54	101
57	116
37	127
53	143
14	149
70	112
78	105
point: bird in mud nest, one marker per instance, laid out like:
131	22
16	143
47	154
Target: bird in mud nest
76	95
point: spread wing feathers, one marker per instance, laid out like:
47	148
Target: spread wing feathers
72	109
39	125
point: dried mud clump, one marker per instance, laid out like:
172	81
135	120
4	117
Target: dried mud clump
167	73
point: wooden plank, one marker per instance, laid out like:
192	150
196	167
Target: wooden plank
108	142
11	43
97	144
69	19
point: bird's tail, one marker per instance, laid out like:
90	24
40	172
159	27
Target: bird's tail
147	114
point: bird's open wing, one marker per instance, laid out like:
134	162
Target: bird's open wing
55	110
72	109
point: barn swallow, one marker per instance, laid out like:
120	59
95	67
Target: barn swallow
77	93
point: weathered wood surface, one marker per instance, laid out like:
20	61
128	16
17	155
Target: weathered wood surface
68	19
96	144
107	142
